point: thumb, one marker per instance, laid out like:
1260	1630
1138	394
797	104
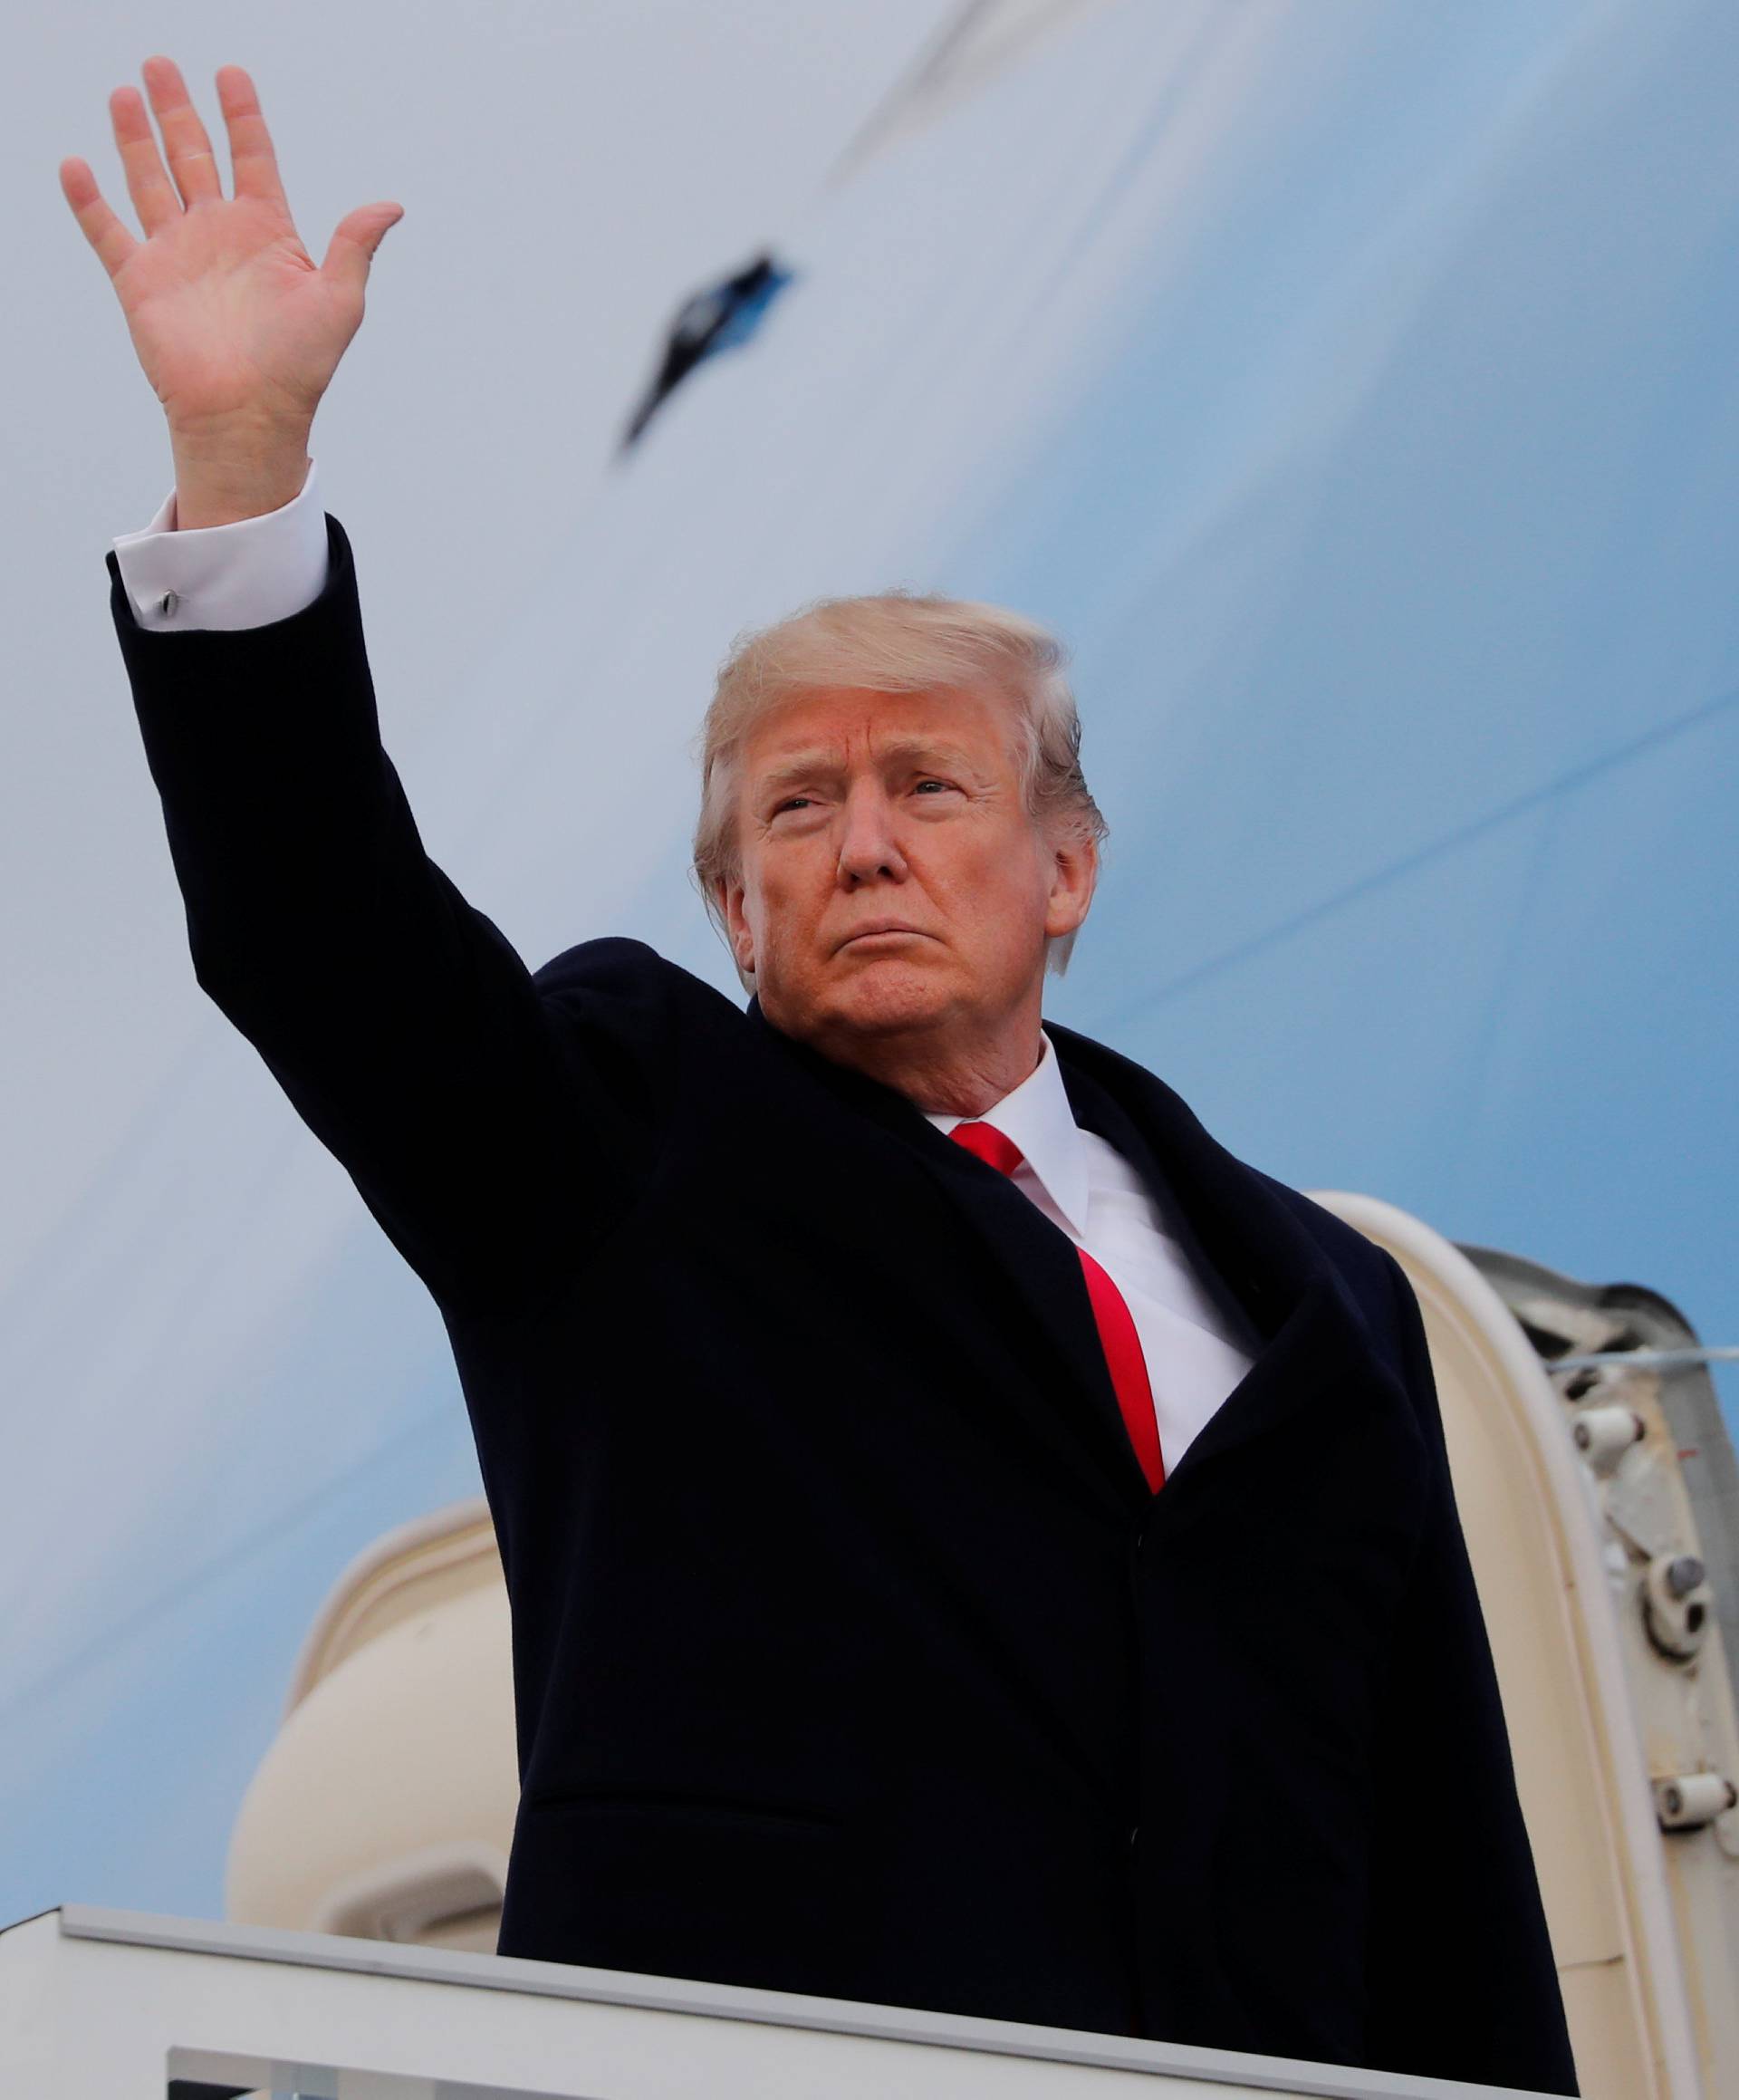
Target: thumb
354	240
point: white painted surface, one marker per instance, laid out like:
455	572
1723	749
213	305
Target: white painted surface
110	2003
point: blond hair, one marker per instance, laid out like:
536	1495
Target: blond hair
899	641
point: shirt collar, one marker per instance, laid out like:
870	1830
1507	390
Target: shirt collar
1036	1116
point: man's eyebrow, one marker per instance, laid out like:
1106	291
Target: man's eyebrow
794	765
937	750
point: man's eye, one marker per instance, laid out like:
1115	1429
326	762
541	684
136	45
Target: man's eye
924	783
792	801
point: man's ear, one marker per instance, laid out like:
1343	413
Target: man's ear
1074	876
730	903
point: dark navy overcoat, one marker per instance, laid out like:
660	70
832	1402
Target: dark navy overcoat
851	1653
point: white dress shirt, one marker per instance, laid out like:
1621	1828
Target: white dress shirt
1197	1344
245	574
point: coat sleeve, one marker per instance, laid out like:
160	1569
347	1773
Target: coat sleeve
1460	1973
400	1023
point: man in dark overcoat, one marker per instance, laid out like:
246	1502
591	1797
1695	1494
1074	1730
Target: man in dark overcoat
972	1543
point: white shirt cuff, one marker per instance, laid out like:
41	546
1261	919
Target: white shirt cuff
244	575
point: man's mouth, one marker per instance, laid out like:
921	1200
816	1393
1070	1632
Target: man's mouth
877	928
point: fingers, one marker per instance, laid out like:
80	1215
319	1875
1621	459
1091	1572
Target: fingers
250	143
102	229
354	240
191	159
148	182
155	198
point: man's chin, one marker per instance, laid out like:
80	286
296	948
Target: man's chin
896	994
889	998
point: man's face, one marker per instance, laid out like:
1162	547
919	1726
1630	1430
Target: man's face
892	877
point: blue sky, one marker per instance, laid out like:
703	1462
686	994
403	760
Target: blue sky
1351	386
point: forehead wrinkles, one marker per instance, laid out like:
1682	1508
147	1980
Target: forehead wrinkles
955	727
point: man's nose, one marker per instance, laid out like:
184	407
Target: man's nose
869	847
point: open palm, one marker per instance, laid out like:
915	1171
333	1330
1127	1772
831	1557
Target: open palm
234	323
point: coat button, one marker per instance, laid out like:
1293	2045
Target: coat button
1135	1832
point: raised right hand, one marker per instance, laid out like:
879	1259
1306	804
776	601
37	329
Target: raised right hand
238	330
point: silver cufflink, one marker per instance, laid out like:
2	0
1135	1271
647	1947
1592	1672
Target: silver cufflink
169	603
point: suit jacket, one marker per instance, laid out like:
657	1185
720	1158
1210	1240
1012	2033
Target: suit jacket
851	1653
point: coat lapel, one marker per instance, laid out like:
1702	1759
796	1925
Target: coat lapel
1032	1265
1053	1296
1311	1339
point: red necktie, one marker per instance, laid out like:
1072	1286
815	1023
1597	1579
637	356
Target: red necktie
1117	1334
